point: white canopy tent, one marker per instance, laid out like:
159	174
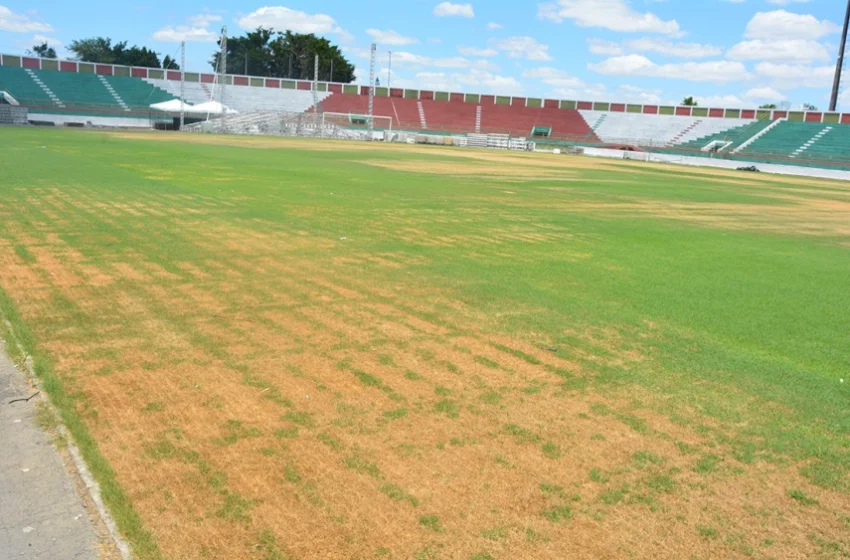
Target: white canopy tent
173	106
213	108
208	108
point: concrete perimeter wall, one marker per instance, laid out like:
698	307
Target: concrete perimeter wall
719	163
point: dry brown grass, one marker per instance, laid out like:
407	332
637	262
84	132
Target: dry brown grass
275	342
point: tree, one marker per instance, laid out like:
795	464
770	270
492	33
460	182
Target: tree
101	49
768	106
285	55
169	63
809	107
42	51
690	102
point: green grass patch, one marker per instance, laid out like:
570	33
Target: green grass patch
396	493
801	498
558	514
432	523
395	414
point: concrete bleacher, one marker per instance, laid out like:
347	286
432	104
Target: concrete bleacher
803	142
729	138
50	94
20	84
656	130
463	118
243	98
520	121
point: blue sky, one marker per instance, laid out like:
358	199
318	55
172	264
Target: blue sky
723	52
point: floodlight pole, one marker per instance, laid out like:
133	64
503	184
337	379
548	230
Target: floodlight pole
182	84
372	91
833	102
223	82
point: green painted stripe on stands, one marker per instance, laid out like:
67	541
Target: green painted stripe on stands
47	64
122	71
503	100
193	77
568	104
699	112
382	91
536	103
796	116
155	74
10	60
601	106
441	96
666	110
350	89
257	82
763	114
411	94
287	84
472	98
831	118
733	114
634	108
321	86
83	68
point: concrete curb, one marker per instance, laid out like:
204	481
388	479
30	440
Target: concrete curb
81	469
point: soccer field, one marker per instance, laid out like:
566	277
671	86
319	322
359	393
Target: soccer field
290	349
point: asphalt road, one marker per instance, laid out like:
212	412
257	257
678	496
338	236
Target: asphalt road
41	514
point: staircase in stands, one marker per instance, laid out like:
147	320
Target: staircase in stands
678	138
113	93
811	142
45	89
422	120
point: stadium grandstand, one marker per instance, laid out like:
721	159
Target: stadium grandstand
71	93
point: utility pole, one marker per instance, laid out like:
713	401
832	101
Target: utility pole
372	90
223	81
833	102
182	83
246	63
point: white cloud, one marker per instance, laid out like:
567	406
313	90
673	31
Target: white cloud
406	59
719	71
554	77
765	94
390	37
21	23
477	51
522	47
478	81
281	18
202	20
607	48
180	33
447	9
667	48
732	101
796	75
793	50
782	25
493	26
786	2
615	15
51	42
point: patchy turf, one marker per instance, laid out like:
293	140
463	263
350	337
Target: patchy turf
292	349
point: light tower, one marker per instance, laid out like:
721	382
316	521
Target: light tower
840	64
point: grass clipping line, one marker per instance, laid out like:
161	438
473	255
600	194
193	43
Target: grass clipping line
100	478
